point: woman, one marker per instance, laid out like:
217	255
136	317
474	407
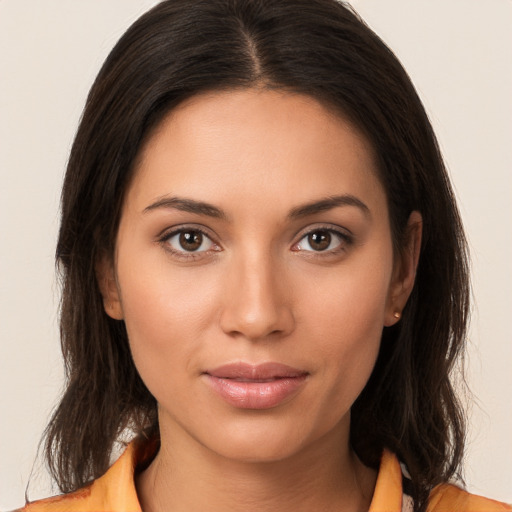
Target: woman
264	272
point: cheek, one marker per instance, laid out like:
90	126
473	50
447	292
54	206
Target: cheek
349	338
346	316
167	312
348	303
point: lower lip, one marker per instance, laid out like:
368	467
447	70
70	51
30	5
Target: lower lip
256	395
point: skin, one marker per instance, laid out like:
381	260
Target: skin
256	291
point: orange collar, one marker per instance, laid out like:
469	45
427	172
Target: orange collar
387	496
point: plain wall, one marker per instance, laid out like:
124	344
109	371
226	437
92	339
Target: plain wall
458	55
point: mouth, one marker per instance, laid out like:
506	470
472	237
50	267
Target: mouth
261	386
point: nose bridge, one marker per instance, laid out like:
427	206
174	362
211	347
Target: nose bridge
256	304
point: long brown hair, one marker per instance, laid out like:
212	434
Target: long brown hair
317	47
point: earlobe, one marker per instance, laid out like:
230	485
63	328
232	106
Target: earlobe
109	290
404	273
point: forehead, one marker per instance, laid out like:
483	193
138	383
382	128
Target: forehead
251	142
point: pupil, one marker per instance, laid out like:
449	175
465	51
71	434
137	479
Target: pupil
319	240
191	240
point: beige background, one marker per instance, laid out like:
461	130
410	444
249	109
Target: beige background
457	53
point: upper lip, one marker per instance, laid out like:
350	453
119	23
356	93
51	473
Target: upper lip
241	370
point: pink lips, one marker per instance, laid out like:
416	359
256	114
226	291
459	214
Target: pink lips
260	386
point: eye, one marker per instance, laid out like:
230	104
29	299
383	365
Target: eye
322	240
189	240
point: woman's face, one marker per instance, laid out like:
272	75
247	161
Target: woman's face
254	270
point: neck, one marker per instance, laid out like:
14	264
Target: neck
189	477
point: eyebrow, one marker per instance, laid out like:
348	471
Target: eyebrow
203	208
187	205
328	204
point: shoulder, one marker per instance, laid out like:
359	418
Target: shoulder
451	498
113	492
100	496
72	502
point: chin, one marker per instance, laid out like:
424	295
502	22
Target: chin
265	441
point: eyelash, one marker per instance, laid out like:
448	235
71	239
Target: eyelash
187	255
345	241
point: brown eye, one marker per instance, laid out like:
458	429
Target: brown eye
326	241
190	240
319	240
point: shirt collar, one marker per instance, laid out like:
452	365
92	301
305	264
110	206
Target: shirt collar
388	495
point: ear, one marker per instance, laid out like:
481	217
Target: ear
109	289
404	272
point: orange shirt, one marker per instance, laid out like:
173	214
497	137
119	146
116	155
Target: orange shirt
115	492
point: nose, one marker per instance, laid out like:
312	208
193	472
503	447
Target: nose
256	304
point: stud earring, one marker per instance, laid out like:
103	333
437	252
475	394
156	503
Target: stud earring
397	315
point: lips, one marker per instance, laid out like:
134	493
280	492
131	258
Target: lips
262	386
